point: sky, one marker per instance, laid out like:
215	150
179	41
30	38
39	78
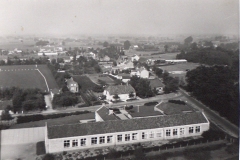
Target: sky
128	17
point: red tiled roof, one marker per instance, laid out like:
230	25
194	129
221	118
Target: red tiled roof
120	89
113	126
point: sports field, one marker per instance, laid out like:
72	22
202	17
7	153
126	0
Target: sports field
27	76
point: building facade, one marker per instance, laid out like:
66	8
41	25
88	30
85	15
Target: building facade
72	85
118	132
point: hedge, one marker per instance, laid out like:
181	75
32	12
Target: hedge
150	103
38	117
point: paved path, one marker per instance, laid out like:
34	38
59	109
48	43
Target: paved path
22	136
221	122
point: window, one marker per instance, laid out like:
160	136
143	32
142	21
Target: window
181	131
74	143
144	135
109	139
151	135
197	129
168	132
102	140
119	137
94	140
175	132
190	129
66	143
127	137
159	134
83	142
134	136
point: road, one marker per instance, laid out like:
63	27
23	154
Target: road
221	122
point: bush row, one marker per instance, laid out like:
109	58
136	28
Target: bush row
38	117
150	103
177	102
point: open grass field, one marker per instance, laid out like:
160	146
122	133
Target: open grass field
180	67
148	54
26	76
12	44
105	78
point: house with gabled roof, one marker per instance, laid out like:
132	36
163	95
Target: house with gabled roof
111	130
72	85
122	91
140	72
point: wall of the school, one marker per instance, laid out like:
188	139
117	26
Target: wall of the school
57	145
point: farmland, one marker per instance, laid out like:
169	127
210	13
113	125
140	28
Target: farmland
26	76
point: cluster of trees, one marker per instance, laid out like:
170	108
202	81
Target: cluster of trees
171	84
16	61
157	71
209	56
141	86
146	47
28	100
126	45
111	51
64	99
217	87
42	43
7	93
59	77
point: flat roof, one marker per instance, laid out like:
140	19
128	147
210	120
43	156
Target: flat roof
84	129
172	108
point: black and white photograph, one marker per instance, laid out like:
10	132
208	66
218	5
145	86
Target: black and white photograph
119	79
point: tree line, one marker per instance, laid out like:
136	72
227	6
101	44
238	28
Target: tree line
31	61
217	87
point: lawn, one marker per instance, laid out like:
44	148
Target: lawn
144	111
180	67
56	121
26	76
84	82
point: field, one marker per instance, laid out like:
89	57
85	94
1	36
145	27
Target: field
105	78
84	82
26	76
180	67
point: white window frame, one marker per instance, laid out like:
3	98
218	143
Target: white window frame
101	139
144	135
94	140
159	134
197	129
119	138
66	143
109	139
83	141
74	143
127	137
191	130
134	136
151	134
175	132
168	132
181	131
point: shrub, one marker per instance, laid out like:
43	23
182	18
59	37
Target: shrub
48	157
150	103
129	107
64	152
177	102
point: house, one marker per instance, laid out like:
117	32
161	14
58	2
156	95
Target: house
122	91
105	58
67	59
157	84
124	77
135	58
111	129
72	85
141	72
54	92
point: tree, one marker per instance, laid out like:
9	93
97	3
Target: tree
131	95
105	44
48	156
188	40
127	45
6	115
116	97
166	48
171	85
17	100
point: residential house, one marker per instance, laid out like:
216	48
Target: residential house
72	85
135	58
112	129
141	72
124	77
156	84
122	91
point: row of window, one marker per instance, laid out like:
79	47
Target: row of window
127	137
